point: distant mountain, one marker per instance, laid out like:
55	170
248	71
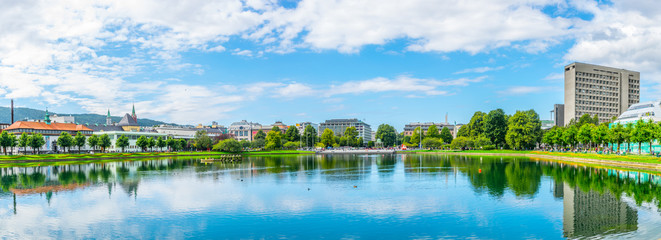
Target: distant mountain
28	113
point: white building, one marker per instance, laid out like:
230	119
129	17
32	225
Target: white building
644	110
243	130
133	137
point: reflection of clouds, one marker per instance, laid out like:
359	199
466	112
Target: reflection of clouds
176	204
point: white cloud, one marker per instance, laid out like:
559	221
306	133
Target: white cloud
522	90
555	77
625	34
399	84
479	70
471	26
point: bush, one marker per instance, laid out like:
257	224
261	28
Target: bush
431	143
228	145
461	143
482	142
489	147
258	143
319	145
290	145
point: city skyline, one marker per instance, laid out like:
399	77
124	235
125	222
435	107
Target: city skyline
265	61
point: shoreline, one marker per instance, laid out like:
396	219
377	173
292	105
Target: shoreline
99	159
602	162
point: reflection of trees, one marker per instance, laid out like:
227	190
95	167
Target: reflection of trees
523	177
488	175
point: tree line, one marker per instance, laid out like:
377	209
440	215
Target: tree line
588	133
497	130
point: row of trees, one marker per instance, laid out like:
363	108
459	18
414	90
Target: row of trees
432	139
585	135
498	130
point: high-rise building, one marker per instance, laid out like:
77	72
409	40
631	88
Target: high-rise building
340	125
559	115
605	91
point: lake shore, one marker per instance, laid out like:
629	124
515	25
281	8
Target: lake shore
54	158
629	162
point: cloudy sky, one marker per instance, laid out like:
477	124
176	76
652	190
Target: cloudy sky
384	61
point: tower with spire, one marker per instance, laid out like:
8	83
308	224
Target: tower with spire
135	118
108	119
47	117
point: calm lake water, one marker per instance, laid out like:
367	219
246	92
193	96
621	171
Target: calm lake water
332	197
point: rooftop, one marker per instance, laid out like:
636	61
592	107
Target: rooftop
45	126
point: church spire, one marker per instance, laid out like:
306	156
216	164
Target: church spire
108	119
133	114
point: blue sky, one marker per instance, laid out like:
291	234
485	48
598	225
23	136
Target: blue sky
264	60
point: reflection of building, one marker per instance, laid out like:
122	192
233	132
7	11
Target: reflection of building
589	214
605	91
340	125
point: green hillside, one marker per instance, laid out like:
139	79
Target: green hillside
28	113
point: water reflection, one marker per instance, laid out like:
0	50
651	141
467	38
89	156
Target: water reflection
434	188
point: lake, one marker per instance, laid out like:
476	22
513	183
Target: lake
323	196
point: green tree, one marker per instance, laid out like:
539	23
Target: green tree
343	141
123	142
65	141
79	141
523	130
183	144
290	145
417	136
274	139
618	135
202	140
104	142
228	145
4	141
13	142
495	127
142	143
650	132
585	134
476	124
93	141
328	137
638	134
351	135
151	142
36	142
584	119
628	129
569	135
260	135
245	144
431	143
292	134
432	132
549	136
160	143
172	144
446	135
258	143
23	142
360	142
464	131
387	134
595	120
462	143
482	142
309	136
600	135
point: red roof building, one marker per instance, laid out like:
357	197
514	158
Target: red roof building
52	129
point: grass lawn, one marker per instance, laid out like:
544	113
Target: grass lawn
612	157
